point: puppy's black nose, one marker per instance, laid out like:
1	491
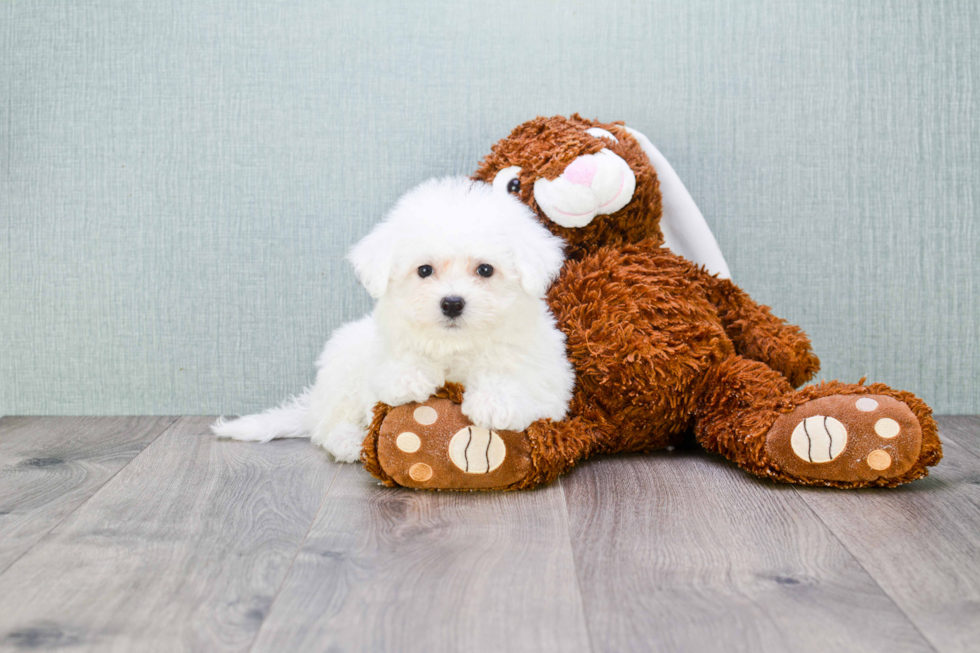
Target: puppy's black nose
452	306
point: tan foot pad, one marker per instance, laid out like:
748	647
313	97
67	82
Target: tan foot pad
846	438
434	446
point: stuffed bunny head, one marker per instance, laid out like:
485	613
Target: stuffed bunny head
590	183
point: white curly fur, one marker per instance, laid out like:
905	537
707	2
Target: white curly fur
504	347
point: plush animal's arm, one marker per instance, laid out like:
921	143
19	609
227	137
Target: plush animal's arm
760	335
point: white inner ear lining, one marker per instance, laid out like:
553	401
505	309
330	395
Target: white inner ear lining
599	132
685	230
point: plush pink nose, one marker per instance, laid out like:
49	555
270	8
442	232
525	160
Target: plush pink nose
581	171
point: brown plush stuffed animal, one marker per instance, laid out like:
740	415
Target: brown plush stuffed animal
662	349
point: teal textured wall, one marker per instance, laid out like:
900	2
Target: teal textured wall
179	180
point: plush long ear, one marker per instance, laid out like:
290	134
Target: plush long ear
538	257
685	231
373	259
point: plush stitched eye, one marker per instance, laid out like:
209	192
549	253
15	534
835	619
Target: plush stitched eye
485	270
425	270
506	180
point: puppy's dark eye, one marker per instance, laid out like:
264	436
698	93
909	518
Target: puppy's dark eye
425	270
485	270
513	186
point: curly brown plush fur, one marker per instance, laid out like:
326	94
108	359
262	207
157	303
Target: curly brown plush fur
543	147
662	349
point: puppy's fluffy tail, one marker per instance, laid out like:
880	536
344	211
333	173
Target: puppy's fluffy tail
285	421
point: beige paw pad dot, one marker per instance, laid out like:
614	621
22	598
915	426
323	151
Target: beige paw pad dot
408	442
866	404
420	472
425	415
476	450
887	427
879	460
819	439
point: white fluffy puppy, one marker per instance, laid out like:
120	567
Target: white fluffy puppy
460	273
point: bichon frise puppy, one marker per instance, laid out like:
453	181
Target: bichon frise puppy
459	272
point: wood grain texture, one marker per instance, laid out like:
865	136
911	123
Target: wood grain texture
400	570
680	551
964	430
50	466
921	542
183	550
198	544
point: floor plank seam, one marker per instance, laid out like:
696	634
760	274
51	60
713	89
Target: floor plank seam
71	512
578	580
299	549
960	447
884	591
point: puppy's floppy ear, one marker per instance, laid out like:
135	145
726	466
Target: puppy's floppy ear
373	259
538	256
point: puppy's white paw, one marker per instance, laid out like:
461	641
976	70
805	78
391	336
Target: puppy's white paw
343	442
401	384
499	409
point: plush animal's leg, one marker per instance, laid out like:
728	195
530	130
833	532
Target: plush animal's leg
558	446
759	335
434	446
739	387
837	434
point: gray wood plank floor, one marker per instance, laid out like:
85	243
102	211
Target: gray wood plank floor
50	467
679	551
145	534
